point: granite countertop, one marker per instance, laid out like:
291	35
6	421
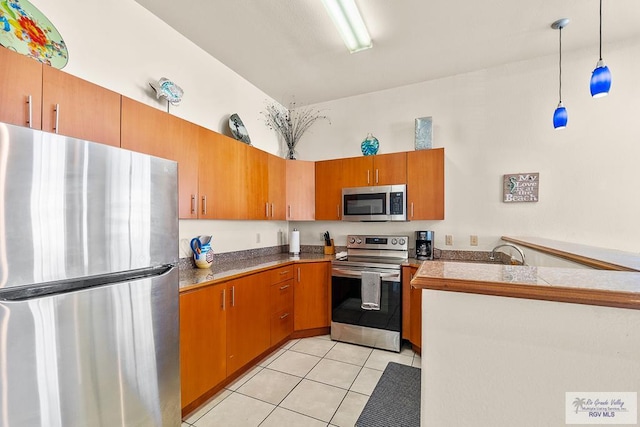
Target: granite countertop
602	258
594	287
191	278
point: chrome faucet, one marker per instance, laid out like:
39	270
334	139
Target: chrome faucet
493	251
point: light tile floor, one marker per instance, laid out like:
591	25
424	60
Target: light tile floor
307	382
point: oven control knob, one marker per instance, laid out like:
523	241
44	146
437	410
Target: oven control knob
352	240
358	240
394	241
402	241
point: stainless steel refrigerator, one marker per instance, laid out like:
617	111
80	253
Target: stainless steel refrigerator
88	284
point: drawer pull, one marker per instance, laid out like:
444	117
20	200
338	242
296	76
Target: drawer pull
282	288
284	272
284	316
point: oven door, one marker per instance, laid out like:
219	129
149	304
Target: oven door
346	299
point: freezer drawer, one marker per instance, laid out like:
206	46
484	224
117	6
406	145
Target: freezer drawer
102	356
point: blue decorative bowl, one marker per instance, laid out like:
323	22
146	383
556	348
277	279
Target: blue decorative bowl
370	145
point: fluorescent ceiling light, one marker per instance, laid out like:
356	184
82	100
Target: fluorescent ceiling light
347	18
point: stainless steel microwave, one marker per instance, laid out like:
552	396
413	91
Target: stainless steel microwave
379	203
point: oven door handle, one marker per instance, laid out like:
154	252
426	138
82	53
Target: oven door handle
338	272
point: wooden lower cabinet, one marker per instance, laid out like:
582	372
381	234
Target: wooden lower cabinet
312	284
281	300
411	308
202	341
248	319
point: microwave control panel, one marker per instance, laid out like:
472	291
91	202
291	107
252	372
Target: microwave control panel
396	203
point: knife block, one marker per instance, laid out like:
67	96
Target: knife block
330	250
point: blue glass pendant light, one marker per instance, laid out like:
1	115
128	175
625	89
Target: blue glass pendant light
601	76
560	116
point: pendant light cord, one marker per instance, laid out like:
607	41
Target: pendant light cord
600	30
560	67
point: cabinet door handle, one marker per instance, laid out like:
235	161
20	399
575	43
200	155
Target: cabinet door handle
282	288
376	176
273	212
30	112
411	209
284	316
193	204
267	210
233	296
56	109
368	182
298	274
338	210
223	298
289	207
204	205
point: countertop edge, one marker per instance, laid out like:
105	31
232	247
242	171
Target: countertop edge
259	268
557	293
570	256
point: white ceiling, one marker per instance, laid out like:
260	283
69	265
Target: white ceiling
290	49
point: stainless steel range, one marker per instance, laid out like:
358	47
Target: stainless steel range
366	291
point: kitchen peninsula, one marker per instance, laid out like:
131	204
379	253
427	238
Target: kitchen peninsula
502	344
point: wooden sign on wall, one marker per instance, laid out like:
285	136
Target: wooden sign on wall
521	187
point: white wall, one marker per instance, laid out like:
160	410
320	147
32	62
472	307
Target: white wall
490	122
499	121
502	362
119	45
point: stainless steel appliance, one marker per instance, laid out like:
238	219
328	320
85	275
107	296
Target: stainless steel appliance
424	245
356	319
379	203
88	284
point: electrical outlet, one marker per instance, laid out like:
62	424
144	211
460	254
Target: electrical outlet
448	240
473	240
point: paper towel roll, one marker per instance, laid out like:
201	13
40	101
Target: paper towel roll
294	242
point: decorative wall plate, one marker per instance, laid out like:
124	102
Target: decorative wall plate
238	130
165	88
24	29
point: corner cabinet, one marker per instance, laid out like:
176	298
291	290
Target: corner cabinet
425	184
312	284
301	190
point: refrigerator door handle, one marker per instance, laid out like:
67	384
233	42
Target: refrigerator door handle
23	293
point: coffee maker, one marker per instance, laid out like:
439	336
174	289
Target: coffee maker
424	245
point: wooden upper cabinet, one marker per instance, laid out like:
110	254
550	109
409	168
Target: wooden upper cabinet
277	187
301	190
356	171
328	189
20	89
220	177
255	189
148	130
389	169
75	107
425	184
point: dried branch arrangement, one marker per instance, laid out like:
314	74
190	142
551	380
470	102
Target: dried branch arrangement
291	123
